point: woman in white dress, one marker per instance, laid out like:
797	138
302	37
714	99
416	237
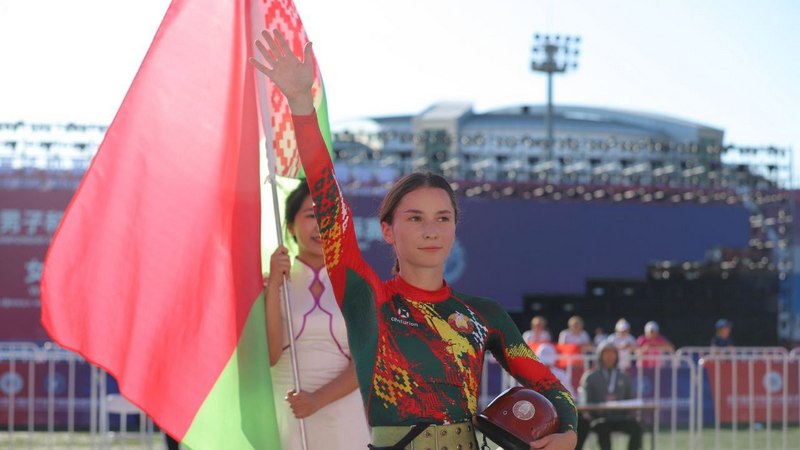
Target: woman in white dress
328	401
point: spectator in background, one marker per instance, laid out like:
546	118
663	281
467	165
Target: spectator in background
547	355
623	341
600	336
652	343
538	333
604	383
723	336
575	334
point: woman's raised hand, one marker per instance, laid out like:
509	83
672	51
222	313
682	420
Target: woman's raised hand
292	76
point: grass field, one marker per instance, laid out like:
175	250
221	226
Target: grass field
708	439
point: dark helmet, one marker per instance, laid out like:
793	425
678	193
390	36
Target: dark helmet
517	417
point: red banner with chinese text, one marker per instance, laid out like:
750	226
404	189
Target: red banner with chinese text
28	218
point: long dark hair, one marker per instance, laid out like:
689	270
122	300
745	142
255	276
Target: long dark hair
408	183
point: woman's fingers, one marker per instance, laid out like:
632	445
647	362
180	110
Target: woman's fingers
285	48
280	263
270	40
260	67
307	53
267	57
266	54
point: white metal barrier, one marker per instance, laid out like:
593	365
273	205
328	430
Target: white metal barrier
687	405
37	385
739	397
44	390
695	353
756	393
656	381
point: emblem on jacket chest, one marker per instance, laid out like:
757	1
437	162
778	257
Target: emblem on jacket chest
461	323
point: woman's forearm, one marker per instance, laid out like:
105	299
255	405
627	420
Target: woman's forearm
274	322
337	388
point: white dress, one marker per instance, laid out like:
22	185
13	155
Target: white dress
322	354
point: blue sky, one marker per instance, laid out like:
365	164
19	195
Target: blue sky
732	64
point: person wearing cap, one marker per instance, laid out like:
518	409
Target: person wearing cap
652	344
607	382
723	336
623	341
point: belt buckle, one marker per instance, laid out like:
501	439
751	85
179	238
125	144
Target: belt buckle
431	429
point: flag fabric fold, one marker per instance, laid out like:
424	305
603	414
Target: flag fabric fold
155	271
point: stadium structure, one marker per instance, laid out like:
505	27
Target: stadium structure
592	145
621	214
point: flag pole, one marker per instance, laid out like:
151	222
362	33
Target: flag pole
287	304
263	102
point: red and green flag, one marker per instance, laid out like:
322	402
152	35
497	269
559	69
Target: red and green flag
155	272
277	124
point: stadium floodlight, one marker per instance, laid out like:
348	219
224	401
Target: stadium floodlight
553	54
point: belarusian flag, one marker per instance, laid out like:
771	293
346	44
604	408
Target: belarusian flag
277	121
155	272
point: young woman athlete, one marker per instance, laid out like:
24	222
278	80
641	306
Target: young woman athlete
418	346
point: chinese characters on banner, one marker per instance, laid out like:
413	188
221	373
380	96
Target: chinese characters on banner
28	219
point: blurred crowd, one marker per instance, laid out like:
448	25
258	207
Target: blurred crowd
608	379
575	340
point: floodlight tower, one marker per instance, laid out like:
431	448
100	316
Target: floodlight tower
553	54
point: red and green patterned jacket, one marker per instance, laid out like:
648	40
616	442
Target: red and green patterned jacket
418	354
